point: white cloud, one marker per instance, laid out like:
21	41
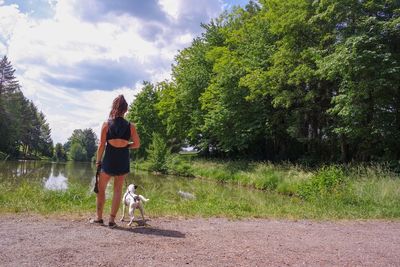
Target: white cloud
10	18
179	9
3	49
67	109
171	7
69	49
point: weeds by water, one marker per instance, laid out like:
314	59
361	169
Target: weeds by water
28	197
231	189
360	191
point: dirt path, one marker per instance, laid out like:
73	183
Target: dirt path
37	241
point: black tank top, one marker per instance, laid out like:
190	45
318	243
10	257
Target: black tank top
118	128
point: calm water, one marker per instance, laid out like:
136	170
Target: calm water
211	198
60	176
53	176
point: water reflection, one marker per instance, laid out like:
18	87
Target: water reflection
160	189
59	176
56	183
53	176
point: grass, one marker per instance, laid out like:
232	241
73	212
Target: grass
233	190
291	191
27	197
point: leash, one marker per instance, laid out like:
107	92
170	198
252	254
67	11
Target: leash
126	182
96	184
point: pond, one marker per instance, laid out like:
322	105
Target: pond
68	186
57	176
46	187
53	176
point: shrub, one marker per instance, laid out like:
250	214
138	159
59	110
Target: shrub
328	181
158	154
179	167
269	181
288	188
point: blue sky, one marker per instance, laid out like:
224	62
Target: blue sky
73	57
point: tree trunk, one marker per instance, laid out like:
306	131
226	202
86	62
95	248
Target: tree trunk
343	149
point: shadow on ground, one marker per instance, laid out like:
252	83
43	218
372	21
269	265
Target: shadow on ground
147	229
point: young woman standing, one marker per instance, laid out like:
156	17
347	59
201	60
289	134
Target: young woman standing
115	138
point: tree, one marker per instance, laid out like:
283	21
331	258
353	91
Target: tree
87	141
363	66
8	82
285	80
144	114
59	153
90	142
77	152
22	125
8	87
45	145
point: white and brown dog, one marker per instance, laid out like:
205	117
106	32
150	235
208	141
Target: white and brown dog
133	201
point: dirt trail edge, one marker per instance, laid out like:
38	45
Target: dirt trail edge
38	241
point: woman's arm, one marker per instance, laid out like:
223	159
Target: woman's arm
134	137
102	143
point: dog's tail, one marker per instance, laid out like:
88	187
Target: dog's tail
142	198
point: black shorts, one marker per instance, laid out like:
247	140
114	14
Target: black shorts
116	160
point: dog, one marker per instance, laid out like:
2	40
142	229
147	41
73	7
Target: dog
133	201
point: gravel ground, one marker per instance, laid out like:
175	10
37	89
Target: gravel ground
32	240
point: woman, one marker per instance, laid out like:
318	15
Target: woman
114	139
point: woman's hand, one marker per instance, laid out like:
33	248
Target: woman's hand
132	145
134	137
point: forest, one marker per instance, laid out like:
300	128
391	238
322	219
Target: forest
293	80
298	80
24	130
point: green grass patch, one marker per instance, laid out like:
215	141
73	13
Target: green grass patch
287	191
28	197
222	189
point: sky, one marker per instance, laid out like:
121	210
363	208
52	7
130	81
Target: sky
73	57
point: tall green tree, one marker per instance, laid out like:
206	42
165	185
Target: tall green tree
8	87
59	153
45	145
86	147
191	76
144	114
8	82
364	67
77	152
296	79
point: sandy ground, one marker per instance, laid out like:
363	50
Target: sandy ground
33	240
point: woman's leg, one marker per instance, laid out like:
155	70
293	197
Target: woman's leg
118	183
101	195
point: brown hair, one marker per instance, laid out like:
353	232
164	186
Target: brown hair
119	107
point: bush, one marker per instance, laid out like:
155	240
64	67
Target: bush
158	154
269	181
327	182
288	188
179	167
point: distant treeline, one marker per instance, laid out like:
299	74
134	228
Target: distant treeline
81	146
24	131
284	80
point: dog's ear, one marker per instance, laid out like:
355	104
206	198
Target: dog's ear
135	186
